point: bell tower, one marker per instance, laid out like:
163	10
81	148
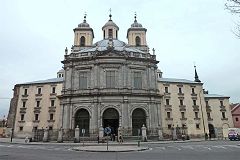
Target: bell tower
110	29
136	36
83	35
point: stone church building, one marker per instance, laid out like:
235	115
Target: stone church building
115	84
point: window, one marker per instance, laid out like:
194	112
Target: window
83	80
82	41
39	90
193	91
180	90
36	117
110	33
137	80
35	128
223	115
52	102
181	102
51	116
116	34
194	102
236	119
38	103
25	91
198	126
50	128
22	117
221	103
183	114
169	126
196	114
53	89
24	104
166	89
167	101
138	41
104	34
20	128
209	115
168	115
110	79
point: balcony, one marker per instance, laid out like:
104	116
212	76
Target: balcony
183	119
224	119
168	107
23	110
197	118
194	94
36	121
53	94
24	95
51	121
208	108
21	121
195	108
182	107
181	94
51	109
38	95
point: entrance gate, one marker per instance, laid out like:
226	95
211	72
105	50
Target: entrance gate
82	120
111	119
138	119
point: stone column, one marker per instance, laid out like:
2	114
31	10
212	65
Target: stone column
45	135
60	135
174	133
160	134
100	134
144	133
76	138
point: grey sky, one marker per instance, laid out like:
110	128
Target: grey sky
34	34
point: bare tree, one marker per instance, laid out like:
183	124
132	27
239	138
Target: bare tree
234	7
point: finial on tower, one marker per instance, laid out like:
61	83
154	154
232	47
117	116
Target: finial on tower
110	14
196	75
85	15
135	17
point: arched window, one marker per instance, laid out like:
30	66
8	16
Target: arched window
82	41
138	41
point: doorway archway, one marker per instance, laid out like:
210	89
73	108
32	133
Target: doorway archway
138	119
211	131
111	119
82	120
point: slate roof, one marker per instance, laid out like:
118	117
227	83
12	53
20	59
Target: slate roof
117	45
52	80
176	80
215	96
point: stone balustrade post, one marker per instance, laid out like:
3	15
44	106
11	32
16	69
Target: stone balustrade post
45	135
77	138
144	133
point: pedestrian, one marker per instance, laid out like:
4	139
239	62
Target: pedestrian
113	137
26	139
210	136
98	139
120	138
206	136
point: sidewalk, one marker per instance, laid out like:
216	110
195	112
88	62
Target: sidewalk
94	143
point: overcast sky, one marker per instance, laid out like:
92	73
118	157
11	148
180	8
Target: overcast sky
34	34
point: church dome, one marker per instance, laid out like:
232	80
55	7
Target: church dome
84	24
110	23
136	24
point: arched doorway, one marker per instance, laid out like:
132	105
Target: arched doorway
82	120
111	119
138	119
211	131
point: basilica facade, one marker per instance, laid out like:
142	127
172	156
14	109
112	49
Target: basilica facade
118	85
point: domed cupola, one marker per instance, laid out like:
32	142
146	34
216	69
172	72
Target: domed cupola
136	24
83	35
110	29
136	36
84	24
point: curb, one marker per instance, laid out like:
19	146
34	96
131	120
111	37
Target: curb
129	150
